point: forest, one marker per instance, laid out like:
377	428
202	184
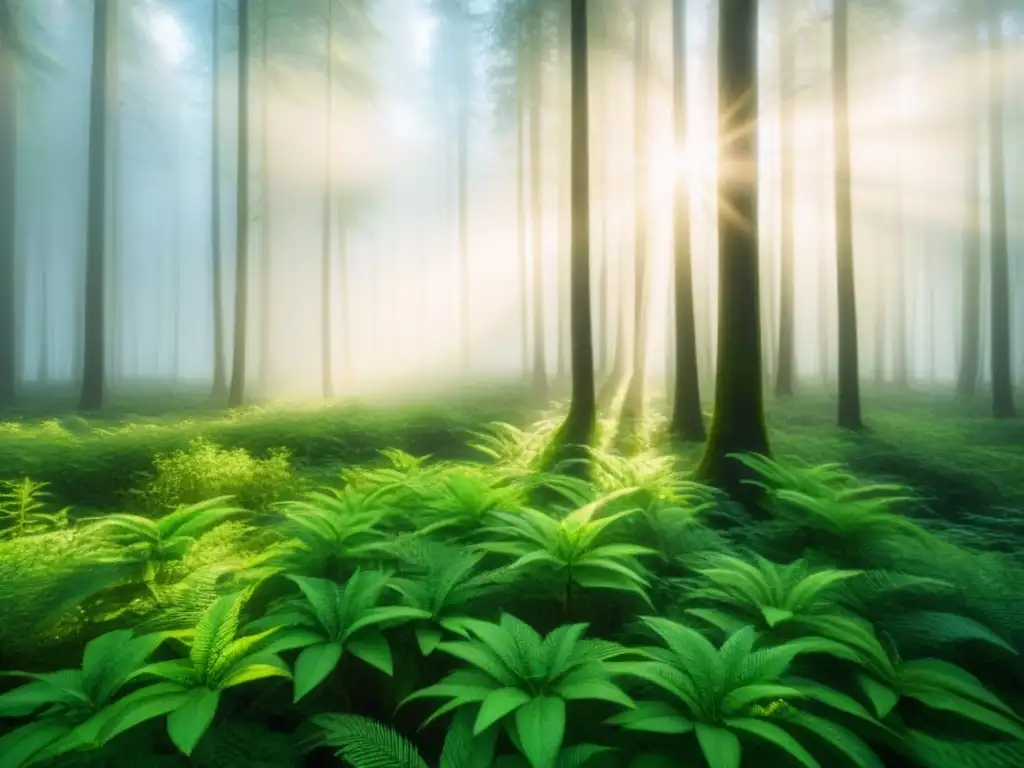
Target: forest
511	383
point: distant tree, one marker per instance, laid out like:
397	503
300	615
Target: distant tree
634	402
236	395
326	336
266	234
970	308
220	386
578	428
94	352
687	419
786	362
738	424
535	87
1002	377
849	376
8	174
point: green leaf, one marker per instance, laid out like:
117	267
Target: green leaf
966	708
841	739
594	689
427	637
882	697
20	745
540	726
772	733
314	664
365	743
721	748
739	698
775	616
464	750
371	647
187	724
498	704
652	717
255	670
137	707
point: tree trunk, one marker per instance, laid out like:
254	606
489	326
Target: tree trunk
462	149
1003	406
236	396
738	424
8	175
687	419
540	376
93	354
632	408
970	310
521	128
327	359
580	424
786	363
562	258
266	252
217	279
849	376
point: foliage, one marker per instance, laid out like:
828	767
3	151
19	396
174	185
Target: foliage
22	507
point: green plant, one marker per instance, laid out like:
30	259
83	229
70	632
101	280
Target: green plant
523	682
570	547
719	694
207	470
191	688
329	619
152	543
22	507
73	704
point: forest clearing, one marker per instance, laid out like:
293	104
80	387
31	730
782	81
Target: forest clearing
511	383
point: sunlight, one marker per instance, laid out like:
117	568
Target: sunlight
169	36
695	164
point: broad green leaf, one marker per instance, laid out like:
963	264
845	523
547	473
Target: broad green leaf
464	750
721	748
595	689
772	733
427	637
498	704
22	744
187	724
839	738
882	697
775	616
540	726
371	647
314	664
652	717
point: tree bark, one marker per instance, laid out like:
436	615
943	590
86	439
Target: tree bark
540	376
738	424
521	235
266	252
220	386
848	373
8	176
687	419
326	339
93	353
236	396
786	363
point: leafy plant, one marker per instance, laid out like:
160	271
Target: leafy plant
73	703
523	681
191	688
570	547
736	690
329	619
152	543
22	507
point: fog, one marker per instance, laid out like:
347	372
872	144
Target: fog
384	138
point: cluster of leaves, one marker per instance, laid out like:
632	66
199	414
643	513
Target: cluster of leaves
416	581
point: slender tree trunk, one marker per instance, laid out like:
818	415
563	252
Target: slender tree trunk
738	425
580	424
634	403
220	386
462	137
521	235
970	310
786	363
687	419
562	184
849	375
881	300
236	396
8	175
177	223
327	359
94	354
540	376
266	251
1003	406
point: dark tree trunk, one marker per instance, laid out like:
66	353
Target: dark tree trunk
236	396
326	338
786	363
93	355
540	376
738	424
579	426
849	376
8	172
266	252
687	419
220	386
1003	406
633	405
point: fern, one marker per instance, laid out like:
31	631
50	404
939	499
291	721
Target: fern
366	743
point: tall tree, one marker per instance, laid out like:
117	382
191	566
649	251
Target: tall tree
848	373
580	423
8	173
326	336
633	405
94	352
786	363
217	272
738	424
236	395
970	305
266	253
687	420
521	128
536	101
1002	376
